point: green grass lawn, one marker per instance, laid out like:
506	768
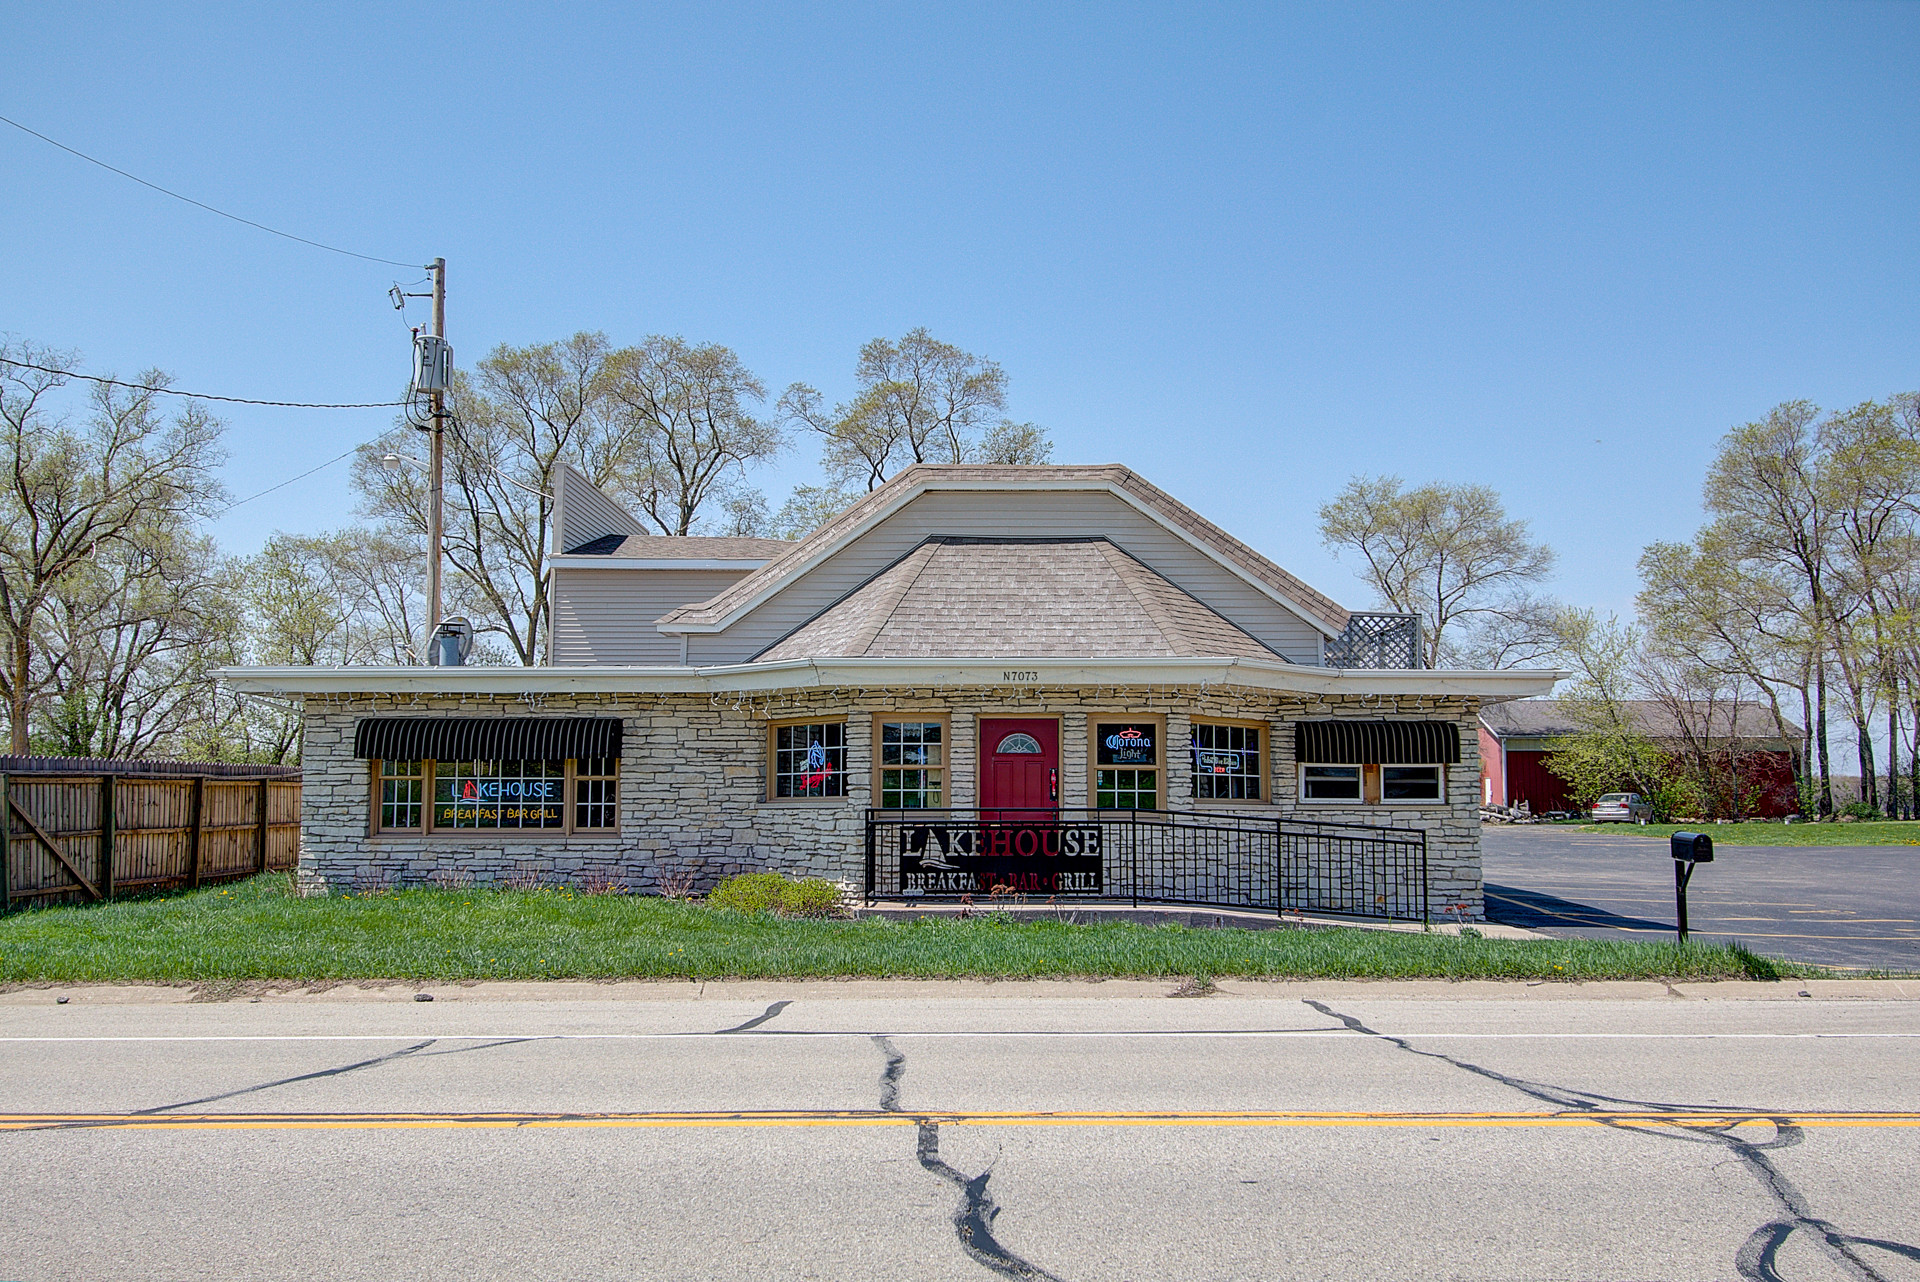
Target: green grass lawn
1903	833
256	930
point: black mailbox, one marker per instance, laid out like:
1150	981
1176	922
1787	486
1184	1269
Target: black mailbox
1694	847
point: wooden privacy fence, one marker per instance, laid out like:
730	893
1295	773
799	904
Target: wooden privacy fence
85	829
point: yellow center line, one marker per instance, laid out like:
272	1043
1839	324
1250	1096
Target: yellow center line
825	1117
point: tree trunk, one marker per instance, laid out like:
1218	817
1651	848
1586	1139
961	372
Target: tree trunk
1869	772
18	706
1913	765
1893	757
1804	755
1820	715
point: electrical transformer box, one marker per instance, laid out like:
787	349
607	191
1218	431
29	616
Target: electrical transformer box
432	363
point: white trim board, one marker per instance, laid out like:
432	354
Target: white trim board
791	674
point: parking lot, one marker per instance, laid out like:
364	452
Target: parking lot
1849	906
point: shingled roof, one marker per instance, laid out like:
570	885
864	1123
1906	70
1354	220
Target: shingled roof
1320	610
1031	598
1547	718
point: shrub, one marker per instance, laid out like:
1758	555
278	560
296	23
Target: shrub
759	892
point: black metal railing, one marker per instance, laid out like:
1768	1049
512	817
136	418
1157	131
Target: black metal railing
1161	856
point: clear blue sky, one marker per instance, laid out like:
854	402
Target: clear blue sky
1555	249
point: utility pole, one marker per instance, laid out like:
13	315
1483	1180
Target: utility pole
435	479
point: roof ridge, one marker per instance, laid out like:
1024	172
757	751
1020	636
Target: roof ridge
1124	566
890	602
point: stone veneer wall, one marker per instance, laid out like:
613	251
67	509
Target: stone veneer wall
693	781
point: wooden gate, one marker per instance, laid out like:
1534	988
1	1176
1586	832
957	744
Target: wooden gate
85	829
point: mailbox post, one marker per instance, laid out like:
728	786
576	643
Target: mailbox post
1688	849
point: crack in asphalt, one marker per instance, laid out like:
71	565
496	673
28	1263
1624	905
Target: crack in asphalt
890	1075
757	1020
973	1218
289	1081
419	1048
1757	1260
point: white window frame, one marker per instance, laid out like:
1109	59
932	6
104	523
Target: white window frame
1440	785
1359	797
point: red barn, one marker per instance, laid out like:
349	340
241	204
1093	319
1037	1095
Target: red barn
1751	751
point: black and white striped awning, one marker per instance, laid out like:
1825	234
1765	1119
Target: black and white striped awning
1364	743
486	738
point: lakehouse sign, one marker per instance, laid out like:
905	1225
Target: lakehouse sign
498	803
974	859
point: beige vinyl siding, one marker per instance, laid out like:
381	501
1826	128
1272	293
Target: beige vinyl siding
583	514
607	616
1012	514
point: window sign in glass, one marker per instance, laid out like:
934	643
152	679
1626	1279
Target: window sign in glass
1226	762
810	760
499	794
1125	757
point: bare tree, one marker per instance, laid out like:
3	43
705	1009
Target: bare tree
689	433
1450	554
71	493
522	411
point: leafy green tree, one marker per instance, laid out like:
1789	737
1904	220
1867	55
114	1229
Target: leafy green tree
920	400
119	484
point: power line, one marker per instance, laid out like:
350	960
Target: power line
332	249
303	476
203	396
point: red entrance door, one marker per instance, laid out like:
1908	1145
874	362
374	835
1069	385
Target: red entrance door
1019	764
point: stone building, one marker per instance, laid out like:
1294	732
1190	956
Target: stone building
990	654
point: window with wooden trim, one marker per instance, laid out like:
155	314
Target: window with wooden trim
596	793
809	760
1126	761
499	794
1225	761
430	797
911	764
403	790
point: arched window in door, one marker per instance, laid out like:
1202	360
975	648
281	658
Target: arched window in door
1019	743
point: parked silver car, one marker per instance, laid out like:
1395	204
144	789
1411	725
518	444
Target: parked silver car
1623	807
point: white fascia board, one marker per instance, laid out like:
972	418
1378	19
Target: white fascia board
790	674
753	602
571	562
923	487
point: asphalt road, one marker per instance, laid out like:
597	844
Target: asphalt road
1850	906
1070	1131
